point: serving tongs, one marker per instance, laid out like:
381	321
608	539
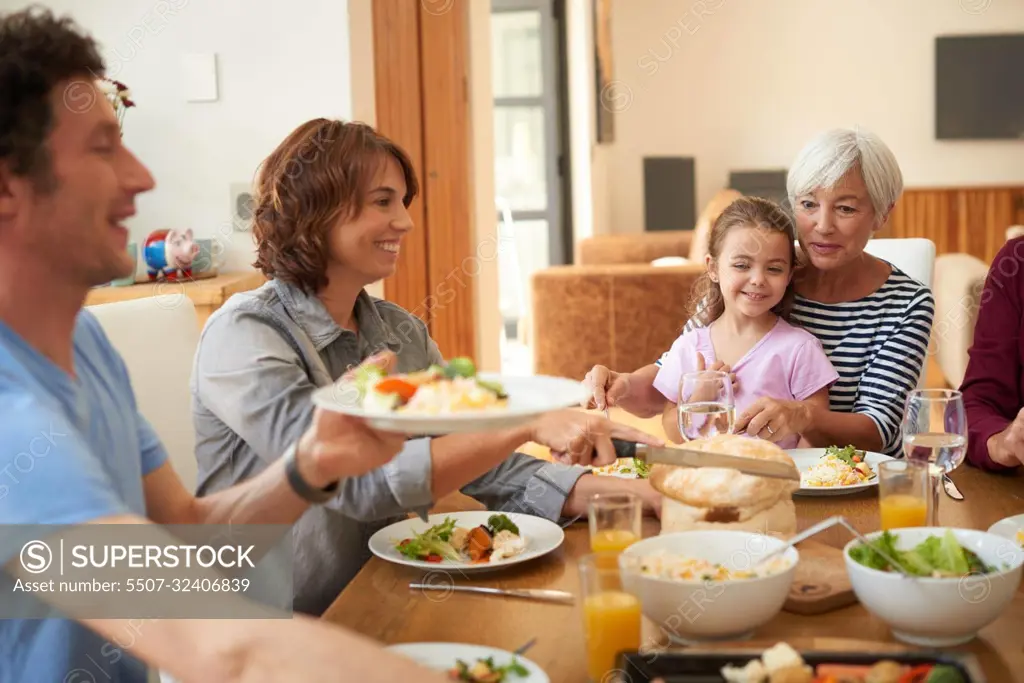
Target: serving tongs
826	524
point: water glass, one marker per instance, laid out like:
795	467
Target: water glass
903	493
612	618
935	432
706	405
615	521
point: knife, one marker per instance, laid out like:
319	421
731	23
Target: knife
685	457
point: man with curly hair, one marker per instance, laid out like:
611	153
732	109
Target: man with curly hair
73	448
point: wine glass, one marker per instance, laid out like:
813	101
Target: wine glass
706	406
935	431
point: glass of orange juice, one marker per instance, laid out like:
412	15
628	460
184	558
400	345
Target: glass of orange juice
615	521
903	493
611	615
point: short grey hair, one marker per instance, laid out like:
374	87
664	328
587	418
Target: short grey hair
829	156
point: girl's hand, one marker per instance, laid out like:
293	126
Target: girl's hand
606	388
774	420
709	393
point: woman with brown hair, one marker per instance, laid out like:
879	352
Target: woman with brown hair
330	217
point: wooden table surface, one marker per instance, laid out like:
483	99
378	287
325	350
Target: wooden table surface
379	603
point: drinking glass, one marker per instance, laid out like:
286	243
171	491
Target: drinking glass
903	493
615	522
611	615
705	404
935	432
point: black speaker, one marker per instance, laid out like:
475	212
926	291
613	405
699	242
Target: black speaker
670	189
766	184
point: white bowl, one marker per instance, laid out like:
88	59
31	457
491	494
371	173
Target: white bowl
935	612
691	612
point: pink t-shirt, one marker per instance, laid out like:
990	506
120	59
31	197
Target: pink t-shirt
788	363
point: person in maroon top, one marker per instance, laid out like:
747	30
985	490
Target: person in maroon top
993	385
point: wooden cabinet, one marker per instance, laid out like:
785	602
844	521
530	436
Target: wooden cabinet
207	295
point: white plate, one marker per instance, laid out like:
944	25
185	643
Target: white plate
528	397
540	536
624	469
1008	527
442	656
805	458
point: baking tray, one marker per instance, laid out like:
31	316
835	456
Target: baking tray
705	667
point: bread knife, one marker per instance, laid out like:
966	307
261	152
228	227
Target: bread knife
685	457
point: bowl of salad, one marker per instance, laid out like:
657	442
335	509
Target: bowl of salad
954	581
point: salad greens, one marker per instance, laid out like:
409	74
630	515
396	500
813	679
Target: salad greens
497	523
935	556
433	541
850	455
643	470
485	670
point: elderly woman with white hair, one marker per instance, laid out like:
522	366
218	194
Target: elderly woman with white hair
872	319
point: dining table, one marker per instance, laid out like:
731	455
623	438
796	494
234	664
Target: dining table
380	604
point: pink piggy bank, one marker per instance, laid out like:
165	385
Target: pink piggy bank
169	253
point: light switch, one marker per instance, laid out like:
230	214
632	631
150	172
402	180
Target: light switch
199	77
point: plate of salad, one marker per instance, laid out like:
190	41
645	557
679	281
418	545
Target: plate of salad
447	399
473	663
624	468
467	541
836	470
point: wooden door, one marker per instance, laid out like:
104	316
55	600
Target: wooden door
421	63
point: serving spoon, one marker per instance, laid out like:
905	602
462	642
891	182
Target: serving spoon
825	524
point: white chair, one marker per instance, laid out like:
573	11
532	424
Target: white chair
157	338
915	256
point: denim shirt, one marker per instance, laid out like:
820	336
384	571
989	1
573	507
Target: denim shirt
260	358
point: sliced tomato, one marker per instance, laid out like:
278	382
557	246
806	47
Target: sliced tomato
917	674
404	542
433	557
396	386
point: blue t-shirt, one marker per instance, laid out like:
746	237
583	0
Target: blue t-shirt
71	450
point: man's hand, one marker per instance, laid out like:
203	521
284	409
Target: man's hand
774	420
337	446
606	388
1007	447
582	439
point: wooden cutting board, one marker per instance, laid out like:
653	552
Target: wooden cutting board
821	583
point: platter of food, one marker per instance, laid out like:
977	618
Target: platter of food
835	470
467	541
473	663
446	399
781	662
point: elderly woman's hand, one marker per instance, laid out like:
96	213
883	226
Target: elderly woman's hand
774	420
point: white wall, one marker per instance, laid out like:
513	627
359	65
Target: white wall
279	63
744	83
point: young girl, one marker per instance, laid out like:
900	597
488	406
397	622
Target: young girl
742	302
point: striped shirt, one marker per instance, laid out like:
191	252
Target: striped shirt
877	344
